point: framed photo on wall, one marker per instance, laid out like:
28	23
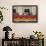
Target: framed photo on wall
24	13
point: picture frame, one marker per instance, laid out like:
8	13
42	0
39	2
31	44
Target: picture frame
25	13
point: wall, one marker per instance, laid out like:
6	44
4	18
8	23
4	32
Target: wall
23	29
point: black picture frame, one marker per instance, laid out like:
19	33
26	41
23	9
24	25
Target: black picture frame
29	14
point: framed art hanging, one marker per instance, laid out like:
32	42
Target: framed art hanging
24	13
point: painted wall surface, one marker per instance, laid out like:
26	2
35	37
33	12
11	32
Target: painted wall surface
23	29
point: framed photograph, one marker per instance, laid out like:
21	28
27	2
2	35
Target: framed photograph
24	13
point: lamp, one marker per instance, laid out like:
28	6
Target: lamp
7	28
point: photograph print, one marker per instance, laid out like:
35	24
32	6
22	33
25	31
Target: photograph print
25	13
